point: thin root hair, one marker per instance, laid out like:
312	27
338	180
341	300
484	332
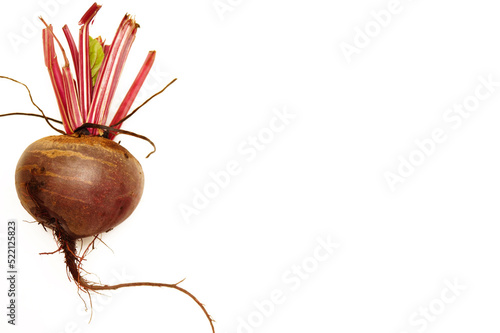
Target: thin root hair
47	119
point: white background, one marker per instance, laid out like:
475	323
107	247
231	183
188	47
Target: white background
321	177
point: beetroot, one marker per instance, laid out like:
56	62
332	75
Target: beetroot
82	183
79	186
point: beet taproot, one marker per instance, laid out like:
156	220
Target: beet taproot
79	186
85	185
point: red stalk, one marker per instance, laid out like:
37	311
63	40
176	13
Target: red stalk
79	102
76	119
84	77
110	71
55	75
73	49
134	89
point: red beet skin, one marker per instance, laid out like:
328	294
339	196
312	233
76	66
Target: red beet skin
79	185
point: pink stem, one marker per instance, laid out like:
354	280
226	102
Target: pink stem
55	75
72	47
133	91
72	99
111	69
84	78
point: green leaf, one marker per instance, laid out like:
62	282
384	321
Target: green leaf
96	55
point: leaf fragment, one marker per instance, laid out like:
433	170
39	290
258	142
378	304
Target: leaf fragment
96	56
